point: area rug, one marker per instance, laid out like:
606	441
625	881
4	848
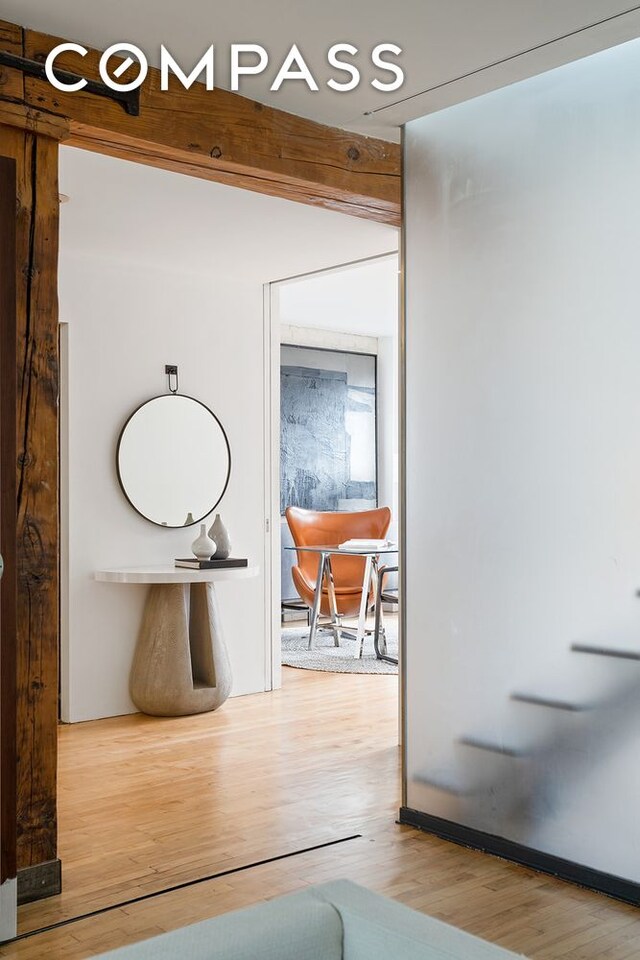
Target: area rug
326	656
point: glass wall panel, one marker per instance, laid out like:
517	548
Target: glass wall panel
523	462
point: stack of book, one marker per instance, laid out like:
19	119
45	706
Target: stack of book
192	563
356	545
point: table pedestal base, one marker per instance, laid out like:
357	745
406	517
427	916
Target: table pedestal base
370	582
181	665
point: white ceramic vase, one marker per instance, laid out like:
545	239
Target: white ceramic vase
220	535
203	546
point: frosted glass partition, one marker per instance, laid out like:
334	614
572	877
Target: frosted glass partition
523	463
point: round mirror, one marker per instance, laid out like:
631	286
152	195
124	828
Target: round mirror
173	460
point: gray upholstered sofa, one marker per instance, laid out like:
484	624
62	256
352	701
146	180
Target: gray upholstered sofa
335	921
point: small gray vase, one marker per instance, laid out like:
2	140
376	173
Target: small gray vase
220	535
203	547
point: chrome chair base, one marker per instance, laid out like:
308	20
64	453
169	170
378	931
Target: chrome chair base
379	637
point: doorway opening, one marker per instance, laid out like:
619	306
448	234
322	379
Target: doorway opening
158	269
335	361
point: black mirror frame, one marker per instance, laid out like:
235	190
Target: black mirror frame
166	526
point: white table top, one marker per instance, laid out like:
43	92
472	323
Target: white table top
167	573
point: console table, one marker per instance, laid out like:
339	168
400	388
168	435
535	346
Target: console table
181	664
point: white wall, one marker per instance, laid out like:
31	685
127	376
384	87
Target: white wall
116	362
388	430
327	339
157	268
523	460
360	298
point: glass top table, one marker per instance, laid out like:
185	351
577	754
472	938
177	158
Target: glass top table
325	575
336	548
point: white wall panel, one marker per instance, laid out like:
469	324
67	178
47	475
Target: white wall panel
126	324
523	460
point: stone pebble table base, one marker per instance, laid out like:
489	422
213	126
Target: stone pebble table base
181	664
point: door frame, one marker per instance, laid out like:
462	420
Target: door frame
8	545
273	655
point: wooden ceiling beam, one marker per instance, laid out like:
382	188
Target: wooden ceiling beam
11	81
216	135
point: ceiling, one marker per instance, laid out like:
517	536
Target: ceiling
443	41
140	215
361	299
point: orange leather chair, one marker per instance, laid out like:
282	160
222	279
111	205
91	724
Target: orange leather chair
314	528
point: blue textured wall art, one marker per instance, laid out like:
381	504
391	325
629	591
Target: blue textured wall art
313	438
327	436
327	433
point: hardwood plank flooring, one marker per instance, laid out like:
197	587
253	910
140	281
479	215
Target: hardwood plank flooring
146	803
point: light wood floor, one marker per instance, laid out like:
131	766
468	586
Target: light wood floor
146	803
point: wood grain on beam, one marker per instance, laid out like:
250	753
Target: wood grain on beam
8	588
11	81
37	490
36	121
38	549
223	136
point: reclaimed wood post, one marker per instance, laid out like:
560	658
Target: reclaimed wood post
37	624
